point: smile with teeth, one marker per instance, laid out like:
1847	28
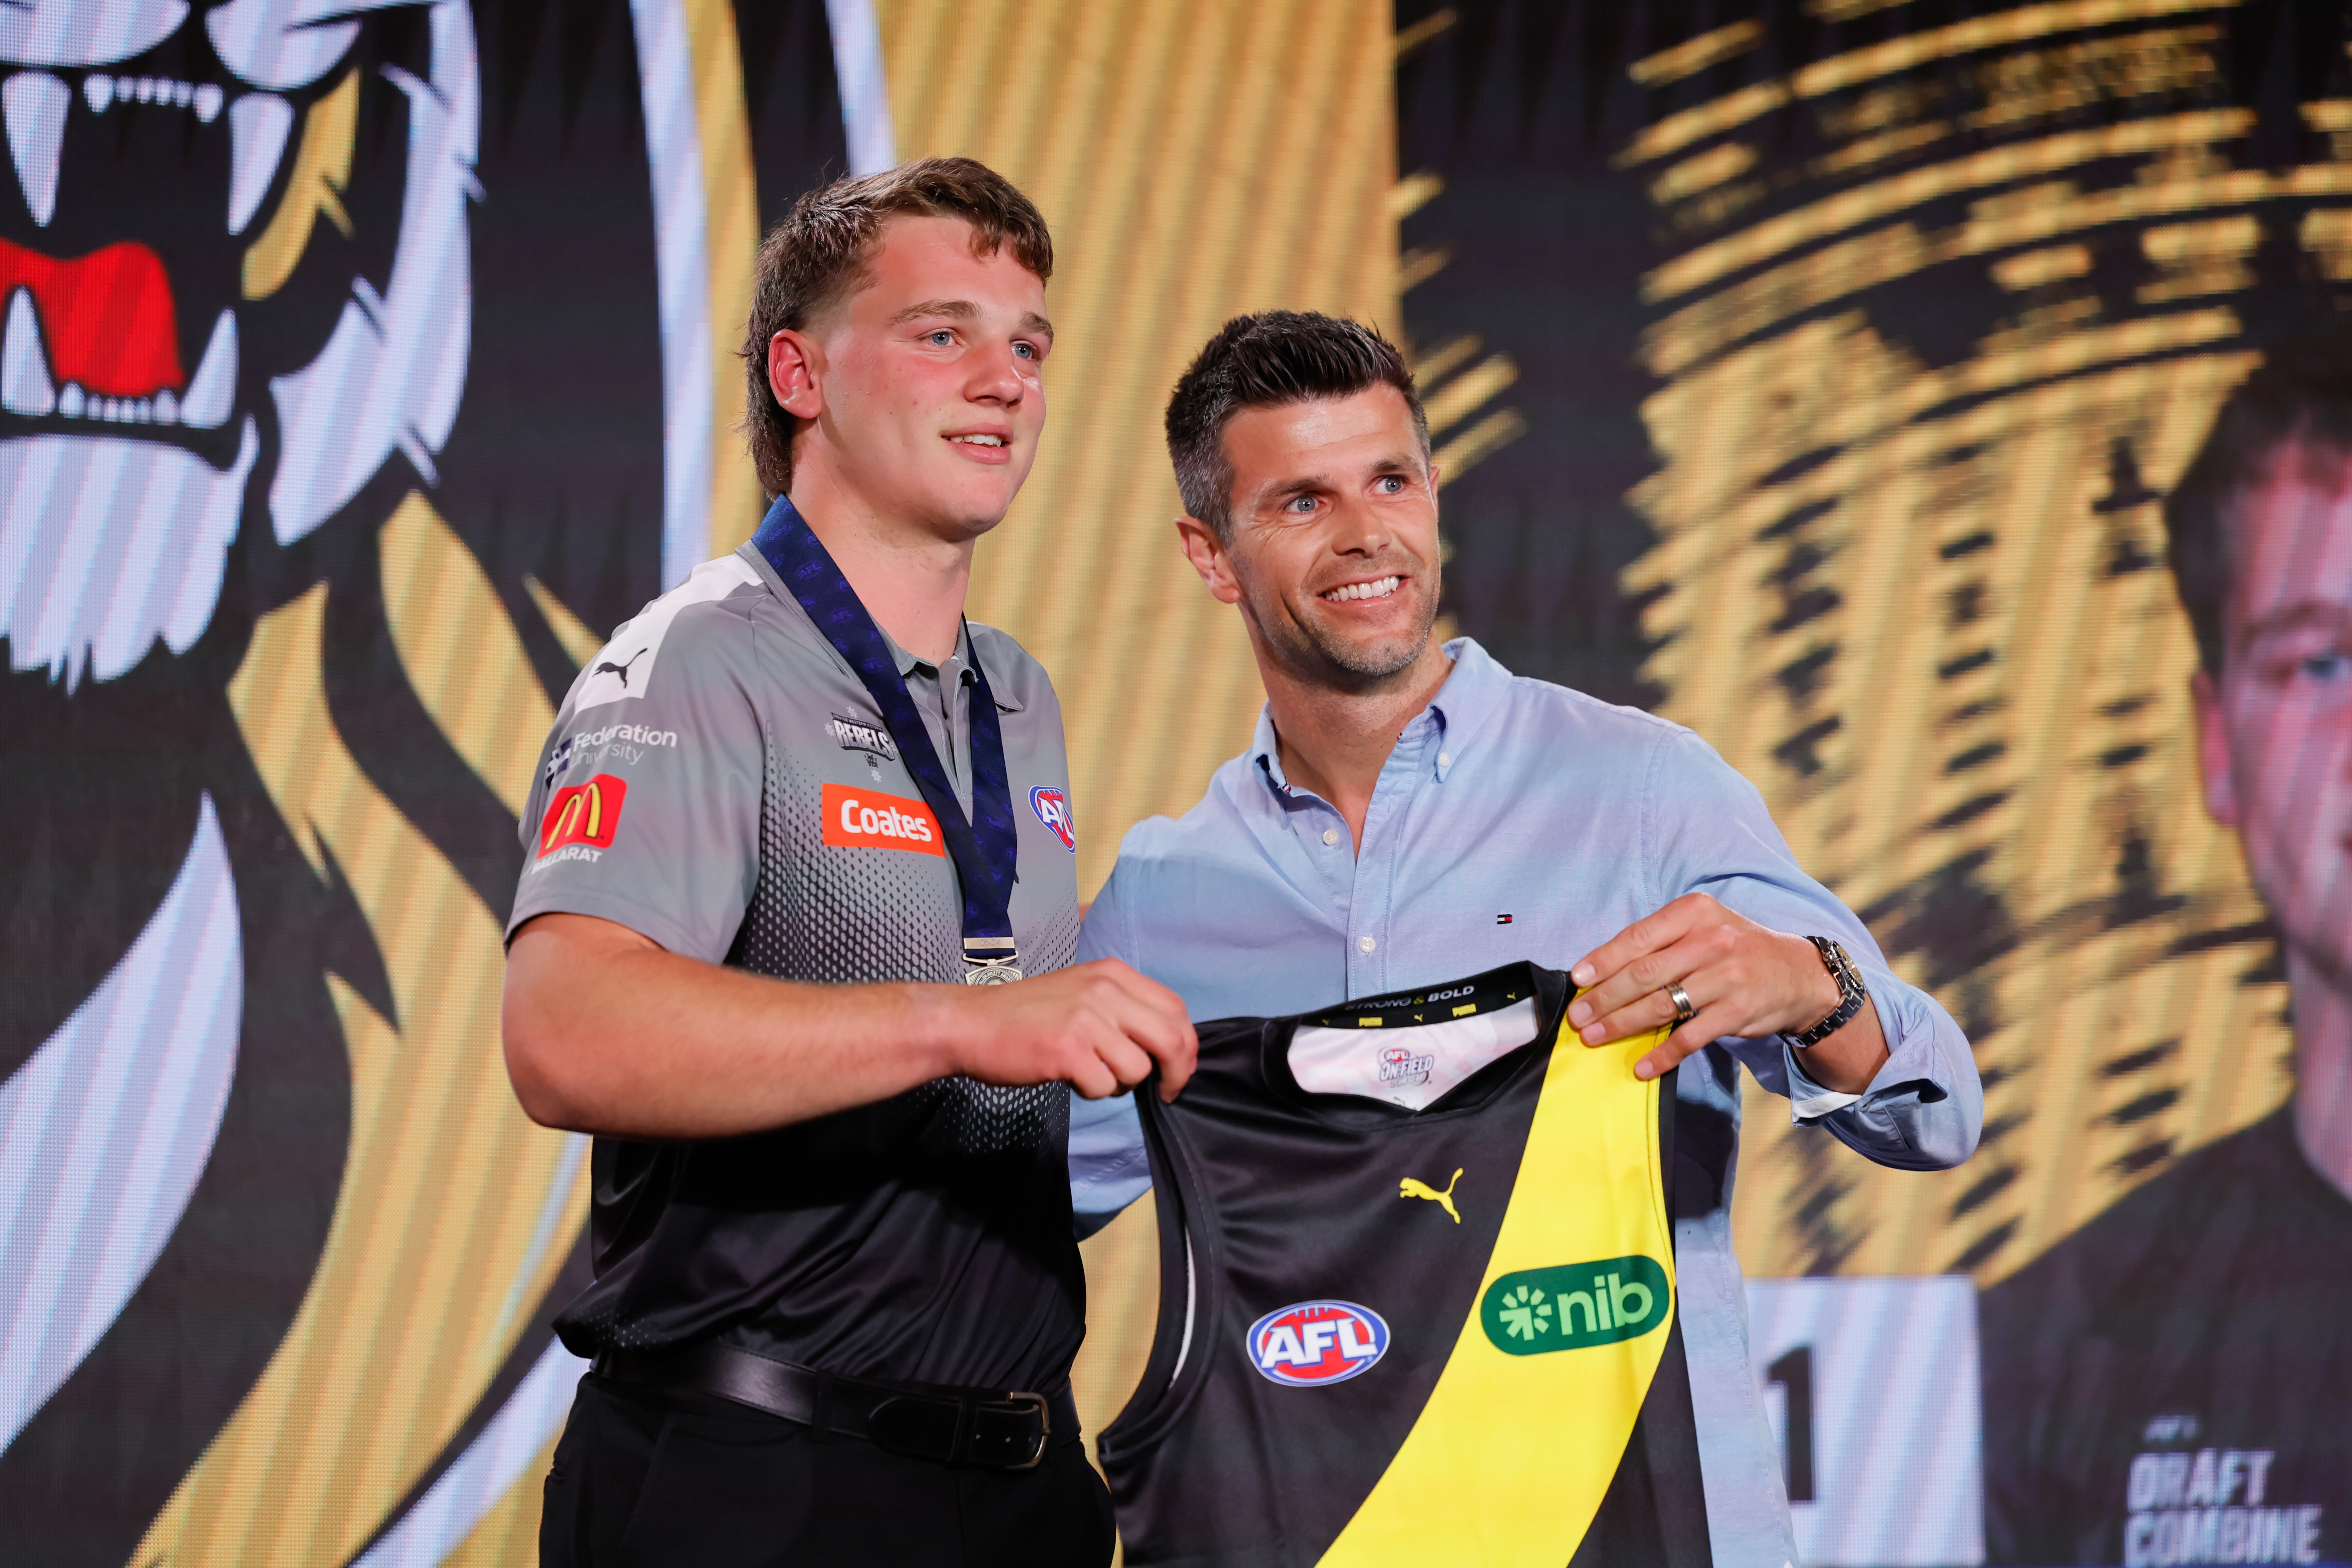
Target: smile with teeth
1378	588
978	440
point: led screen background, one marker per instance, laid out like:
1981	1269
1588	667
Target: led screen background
1809	373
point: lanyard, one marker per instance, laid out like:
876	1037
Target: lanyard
985	851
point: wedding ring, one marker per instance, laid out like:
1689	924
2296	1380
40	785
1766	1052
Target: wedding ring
1683	1011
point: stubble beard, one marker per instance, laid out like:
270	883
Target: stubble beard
1318	651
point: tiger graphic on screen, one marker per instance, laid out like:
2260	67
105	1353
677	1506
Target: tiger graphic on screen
248	1051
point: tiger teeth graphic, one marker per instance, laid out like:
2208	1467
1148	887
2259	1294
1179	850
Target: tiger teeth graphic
213	389
35	103
102	92
257	124
24	385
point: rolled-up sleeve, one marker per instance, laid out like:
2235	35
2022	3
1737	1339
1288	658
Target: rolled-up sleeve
1109	1167
1707	831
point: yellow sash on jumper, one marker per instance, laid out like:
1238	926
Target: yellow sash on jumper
1523	1433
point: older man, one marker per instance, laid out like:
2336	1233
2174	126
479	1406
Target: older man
1411	813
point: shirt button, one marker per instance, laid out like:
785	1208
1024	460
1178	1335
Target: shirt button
1444	759
1365	944
1330	835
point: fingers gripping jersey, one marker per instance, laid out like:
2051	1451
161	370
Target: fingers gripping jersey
1399	1336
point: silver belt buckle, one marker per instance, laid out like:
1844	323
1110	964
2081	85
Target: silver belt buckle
1045	1426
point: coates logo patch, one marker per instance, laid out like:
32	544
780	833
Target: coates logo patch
1317	1342
1053	809
584	814
863	819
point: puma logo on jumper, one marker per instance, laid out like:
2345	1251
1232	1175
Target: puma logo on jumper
621	669
1413	1187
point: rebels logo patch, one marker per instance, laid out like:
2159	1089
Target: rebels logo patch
1053	809
1317	1342
857	735
585	813
867	820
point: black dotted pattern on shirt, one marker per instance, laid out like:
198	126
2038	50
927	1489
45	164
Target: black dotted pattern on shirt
841	917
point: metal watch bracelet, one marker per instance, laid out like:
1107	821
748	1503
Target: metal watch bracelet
1852	993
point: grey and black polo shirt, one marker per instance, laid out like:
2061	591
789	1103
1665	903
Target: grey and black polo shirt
719	780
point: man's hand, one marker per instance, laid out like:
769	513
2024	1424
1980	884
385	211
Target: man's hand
1099	1027
1744	980
607	1033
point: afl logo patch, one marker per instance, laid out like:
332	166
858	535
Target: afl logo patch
1053	809
1317	1342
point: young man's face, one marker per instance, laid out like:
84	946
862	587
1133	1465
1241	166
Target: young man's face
2275	728
1333	553
929	376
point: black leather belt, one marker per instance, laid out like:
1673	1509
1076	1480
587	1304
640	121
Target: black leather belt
994	1428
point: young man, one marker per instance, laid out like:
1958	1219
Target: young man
2169	1384
1411	813
783	813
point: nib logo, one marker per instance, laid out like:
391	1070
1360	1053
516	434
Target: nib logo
1571	1307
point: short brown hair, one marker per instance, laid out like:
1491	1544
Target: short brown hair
817	256
2301	394
1268	361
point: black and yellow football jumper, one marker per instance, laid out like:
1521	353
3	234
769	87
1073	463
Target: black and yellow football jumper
1413	1337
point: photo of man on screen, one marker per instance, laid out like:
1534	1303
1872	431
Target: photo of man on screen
2169	1385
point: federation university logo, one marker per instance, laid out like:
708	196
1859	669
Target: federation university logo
1053	809
1317	1342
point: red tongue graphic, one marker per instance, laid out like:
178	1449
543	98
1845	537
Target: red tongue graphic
107	317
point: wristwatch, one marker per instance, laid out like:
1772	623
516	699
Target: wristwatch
1851	993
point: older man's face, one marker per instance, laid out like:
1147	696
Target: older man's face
2275	728
1335	547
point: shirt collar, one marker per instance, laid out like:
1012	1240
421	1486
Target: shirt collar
908	663
1473	691
1468	699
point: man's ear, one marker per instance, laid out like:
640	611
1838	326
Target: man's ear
795	366
2213	750
1209	558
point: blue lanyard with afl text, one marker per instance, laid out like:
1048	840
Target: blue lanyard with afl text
985	849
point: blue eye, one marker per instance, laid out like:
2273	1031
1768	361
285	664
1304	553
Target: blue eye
941	337
2326	667
1027	350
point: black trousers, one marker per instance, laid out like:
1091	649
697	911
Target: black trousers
652	1477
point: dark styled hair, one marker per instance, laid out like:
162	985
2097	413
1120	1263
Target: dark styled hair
817	257
2299	394
1268	361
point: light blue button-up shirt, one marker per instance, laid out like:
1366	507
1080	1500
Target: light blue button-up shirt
1515	820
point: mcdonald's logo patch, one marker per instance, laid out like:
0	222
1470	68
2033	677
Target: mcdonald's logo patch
582	814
